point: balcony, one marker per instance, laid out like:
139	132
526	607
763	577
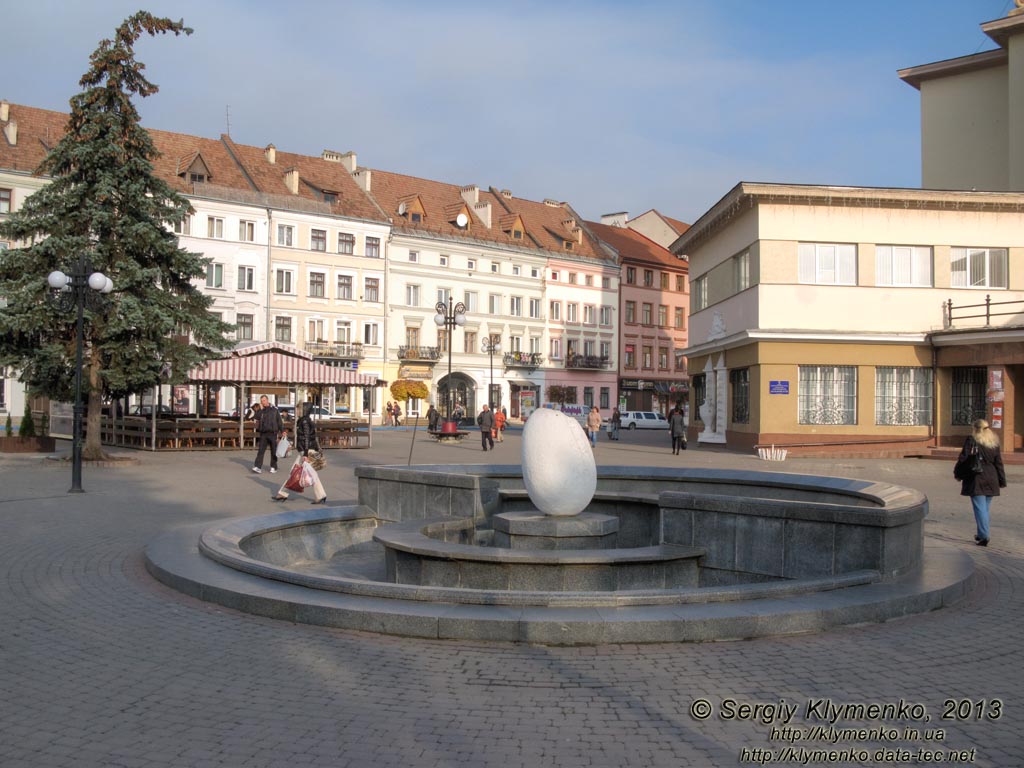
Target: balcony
337	350
530	360
587	362
427	354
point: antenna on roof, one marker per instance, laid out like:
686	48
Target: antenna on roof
227	118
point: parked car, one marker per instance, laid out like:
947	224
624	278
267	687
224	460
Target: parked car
147	410
643	420
288	412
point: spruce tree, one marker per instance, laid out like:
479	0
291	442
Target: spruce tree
106	202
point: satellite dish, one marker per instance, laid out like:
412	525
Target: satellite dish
461	220
402	208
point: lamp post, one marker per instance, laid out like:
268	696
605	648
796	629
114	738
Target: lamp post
75	290
489	346
449	316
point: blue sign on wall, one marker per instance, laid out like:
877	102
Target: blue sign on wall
778	387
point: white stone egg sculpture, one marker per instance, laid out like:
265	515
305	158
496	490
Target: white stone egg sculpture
558	463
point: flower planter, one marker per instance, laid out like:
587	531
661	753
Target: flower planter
27	445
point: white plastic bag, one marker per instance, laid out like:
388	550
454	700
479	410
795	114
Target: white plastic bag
309	476
283	446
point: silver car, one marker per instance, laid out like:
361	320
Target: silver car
643	420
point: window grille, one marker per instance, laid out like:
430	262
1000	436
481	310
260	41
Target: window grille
968	394
739	379
828	394
903	396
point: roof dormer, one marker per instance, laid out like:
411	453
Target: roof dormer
193	169
411	209
458	214
512	225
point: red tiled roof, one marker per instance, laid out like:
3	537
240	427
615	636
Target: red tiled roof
633	246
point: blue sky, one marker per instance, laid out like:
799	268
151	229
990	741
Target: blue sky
612	106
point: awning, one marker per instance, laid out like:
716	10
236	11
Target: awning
272	362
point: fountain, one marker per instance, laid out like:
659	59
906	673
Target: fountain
560	551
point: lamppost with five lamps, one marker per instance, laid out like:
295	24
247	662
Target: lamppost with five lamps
449	316
82	286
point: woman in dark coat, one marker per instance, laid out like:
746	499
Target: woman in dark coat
982	486
305	441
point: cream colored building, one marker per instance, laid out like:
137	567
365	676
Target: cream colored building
872	319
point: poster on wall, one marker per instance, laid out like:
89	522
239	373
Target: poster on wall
997	423
997	411
181	401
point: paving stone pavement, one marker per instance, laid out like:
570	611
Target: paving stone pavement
102	666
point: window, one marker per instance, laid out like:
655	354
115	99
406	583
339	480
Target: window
443	294
283	281
700	293
663	358
344	286
535	308
630	311
827	263
556	349
214	275
515	343
630	356
588	279
570	312
343	331
741	271
968	395
903	396
648	278
315	331
317	285
371	333
903	265
412	295
371	289
680	360
679	321
516	270
414	256
605	398
373	247
470	299
606	283
827	395
648	361
978	268
664	281
588	348
416	217
6	195
588	396
412	336
535	344
494	304
700	392
444	340
647	314
631	275
471	264
183	227
534	272
588	314
680	283
285	234
495	266
215	227
329	197
606	350
283	329
443	260
662	315
739	380
554	275
555	310
346	243
606	315
517	234
318	240
246	279
244	326
515	307
572	278
469	342
247	231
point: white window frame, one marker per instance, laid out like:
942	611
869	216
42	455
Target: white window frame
588	314
494	303
414	257
343	331
555	310
246	278
412	295
571	312
443	260
371	334
535	309
699	293
215	227
827	394
907	266
606	315
285	235
215	275
991	265
827	263
515	306
556	348
903	396
247	231
740	272
284	281
472	300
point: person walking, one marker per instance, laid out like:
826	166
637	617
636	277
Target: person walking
980	471
499	424
269	427
433	417
396	414
486	423
616	424
677	428
593	425
306	441
391	415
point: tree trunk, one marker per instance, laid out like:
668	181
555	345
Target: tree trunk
92	450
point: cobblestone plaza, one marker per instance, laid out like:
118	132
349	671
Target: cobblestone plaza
102	666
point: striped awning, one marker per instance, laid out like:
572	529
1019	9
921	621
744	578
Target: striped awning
275	363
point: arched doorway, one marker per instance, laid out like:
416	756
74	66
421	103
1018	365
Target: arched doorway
463	393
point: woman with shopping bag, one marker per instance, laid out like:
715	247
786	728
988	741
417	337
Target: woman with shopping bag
303	473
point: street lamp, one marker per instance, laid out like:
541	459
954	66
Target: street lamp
75	290
489	346
448	316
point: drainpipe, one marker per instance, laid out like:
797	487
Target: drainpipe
935	396
270	233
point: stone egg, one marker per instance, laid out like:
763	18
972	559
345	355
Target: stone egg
558	463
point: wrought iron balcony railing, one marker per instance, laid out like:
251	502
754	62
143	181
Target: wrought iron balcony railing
587	362
529	360
340	350
430	354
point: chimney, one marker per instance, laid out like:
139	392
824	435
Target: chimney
552	203
11	132
471	194
577	234
615	219
291	180
362	177
483	212
569	223
507	194
5	111
349	161
271	153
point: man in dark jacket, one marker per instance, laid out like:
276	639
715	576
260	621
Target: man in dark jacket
486	422
432	418
269	427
